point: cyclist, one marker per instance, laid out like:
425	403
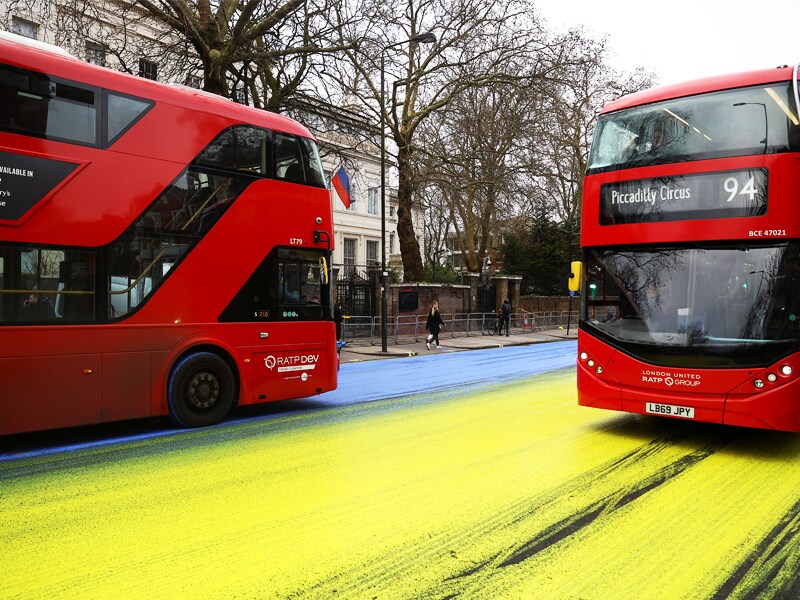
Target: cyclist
505	317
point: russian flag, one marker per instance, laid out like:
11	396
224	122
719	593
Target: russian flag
341	183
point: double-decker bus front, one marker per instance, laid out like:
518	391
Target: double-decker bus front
690	242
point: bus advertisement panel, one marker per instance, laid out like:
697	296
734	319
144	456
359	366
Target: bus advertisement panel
690	242
160	247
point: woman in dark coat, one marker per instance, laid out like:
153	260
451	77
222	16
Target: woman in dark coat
434	325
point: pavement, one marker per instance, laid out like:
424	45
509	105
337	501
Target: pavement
360	351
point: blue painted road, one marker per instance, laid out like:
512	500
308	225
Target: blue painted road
358	382
392	378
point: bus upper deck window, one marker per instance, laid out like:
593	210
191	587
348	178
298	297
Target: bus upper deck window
122	112
239	148
34	104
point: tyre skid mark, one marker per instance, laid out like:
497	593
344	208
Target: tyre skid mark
579	521
772	569
474	579
396	567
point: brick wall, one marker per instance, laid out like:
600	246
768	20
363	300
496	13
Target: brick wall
452	298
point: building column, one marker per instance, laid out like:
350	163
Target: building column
500	290
515	283
473	281
374	275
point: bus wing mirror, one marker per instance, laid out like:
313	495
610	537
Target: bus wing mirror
576	272
323	267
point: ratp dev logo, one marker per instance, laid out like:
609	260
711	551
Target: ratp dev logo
302	362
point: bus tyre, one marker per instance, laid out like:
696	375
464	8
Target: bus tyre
201	390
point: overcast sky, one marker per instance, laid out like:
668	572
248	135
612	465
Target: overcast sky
686	39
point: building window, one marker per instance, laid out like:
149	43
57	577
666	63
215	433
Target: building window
95	54
193	81
148	69
372	253
349	256
391	243
24	27
391	211
372	199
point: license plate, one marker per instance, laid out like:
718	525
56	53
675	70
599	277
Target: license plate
670	410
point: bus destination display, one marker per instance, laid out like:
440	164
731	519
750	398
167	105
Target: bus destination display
741	193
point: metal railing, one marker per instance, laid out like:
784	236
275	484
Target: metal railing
408	329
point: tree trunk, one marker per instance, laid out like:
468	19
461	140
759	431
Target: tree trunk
214	76
409	247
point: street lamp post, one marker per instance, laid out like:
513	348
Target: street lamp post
424	38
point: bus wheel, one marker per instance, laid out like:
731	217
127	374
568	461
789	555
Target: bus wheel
201	390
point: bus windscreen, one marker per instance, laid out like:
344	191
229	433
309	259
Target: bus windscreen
740	122
737	304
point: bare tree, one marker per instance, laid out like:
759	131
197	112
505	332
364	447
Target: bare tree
558	143
518	149
437	225
478	42
82	27
470	158
256	51
222	34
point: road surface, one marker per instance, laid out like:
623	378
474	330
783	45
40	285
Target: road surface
500	486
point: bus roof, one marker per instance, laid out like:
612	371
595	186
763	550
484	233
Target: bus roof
26	41
41	57
700	86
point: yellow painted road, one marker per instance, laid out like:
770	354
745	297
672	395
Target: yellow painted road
510	492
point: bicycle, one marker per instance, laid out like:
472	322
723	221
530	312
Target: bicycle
491	326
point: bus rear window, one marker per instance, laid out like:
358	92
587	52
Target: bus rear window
746	121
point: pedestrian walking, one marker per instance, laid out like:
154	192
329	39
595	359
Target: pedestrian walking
505	316
338	317
434	326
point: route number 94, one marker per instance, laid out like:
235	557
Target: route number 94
731	186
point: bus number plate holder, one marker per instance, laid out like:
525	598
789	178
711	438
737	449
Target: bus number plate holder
670	410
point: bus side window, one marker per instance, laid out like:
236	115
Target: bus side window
312	162
239	148
24	97
45	285
289	159
122	113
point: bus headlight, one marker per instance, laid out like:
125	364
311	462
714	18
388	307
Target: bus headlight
759	383
786	370
584	356
772	378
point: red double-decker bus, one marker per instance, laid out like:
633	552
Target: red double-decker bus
690	242
163	251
